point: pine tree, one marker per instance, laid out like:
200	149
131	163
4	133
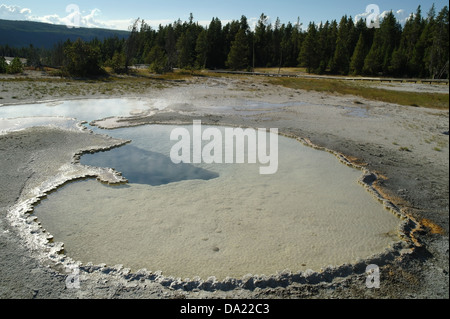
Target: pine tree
352	37
372	63
386	40
33	57
237	58
268	49
3	65
158	60
229	34
201	49
261	42
322	44
417	62
15	67
82	59
413	44
357	61
118	62
131	44
185	51
391	33
286	45
399	62
341	59
216	53
276	39
436	57
169	43
56	57
332	39
309	57
295	43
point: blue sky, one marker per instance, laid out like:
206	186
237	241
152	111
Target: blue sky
119	14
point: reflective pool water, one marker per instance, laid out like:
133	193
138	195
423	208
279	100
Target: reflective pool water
141	166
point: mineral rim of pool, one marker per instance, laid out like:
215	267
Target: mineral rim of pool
310	214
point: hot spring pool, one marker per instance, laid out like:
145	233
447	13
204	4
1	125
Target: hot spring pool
222	220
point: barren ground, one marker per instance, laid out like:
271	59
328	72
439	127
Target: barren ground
407	146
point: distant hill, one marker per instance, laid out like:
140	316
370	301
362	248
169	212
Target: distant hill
19	34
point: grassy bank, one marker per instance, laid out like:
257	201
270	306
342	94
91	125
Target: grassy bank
427	100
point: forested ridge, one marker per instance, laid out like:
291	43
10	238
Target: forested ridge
420	48
19	34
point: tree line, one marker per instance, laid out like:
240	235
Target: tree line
420	48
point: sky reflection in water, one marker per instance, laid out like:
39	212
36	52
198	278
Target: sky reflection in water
141	166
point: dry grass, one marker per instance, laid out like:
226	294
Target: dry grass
282	70
427	100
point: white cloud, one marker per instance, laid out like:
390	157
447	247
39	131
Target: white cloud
400	15
13	12
362	16
384	14
86	20
252	22
91	19
119	24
